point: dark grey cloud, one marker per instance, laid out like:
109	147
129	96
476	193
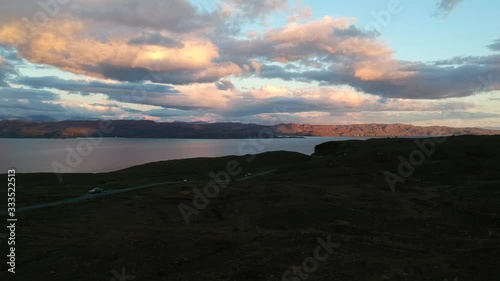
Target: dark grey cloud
138	93
325	76
21	103
290	105
155	38
353	31
34	107
8	61
168	112
256	9
3	76
224	85
315	45
495	46
423	82
42	111
476	115
177	77
174	15
239	50
27	94
251	106
13	10
444	7
481	60
94	87
17	109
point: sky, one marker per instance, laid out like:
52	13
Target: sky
434	62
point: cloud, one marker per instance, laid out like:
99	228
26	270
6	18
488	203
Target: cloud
330	51
93	87
19	108
168	112
445	7
8	60
495	46
4	72
213	73
114	16
353	31
71	46
222	99
208	102
177	16
104	110
27	94
250	10
136	93
313	44
300	14
332	100
158	39
225	85
321	38
183	97
181	60
20	102
67	45
380	74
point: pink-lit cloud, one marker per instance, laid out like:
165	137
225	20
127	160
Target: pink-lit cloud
190	62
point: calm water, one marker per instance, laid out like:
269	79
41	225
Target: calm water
38	155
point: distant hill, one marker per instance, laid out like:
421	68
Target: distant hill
151	129
377	130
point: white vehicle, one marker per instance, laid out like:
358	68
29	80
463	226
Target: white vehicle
248	175
96	190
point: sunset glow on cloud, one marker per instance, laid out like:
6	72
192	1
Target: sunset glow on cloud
246	61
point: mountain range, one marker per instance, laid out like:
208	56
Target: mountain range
151	129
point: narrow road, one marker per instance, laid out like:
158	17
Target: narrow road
111	192
85	197
256	175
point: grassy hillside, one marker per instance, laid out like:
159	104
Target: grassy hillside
442	222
